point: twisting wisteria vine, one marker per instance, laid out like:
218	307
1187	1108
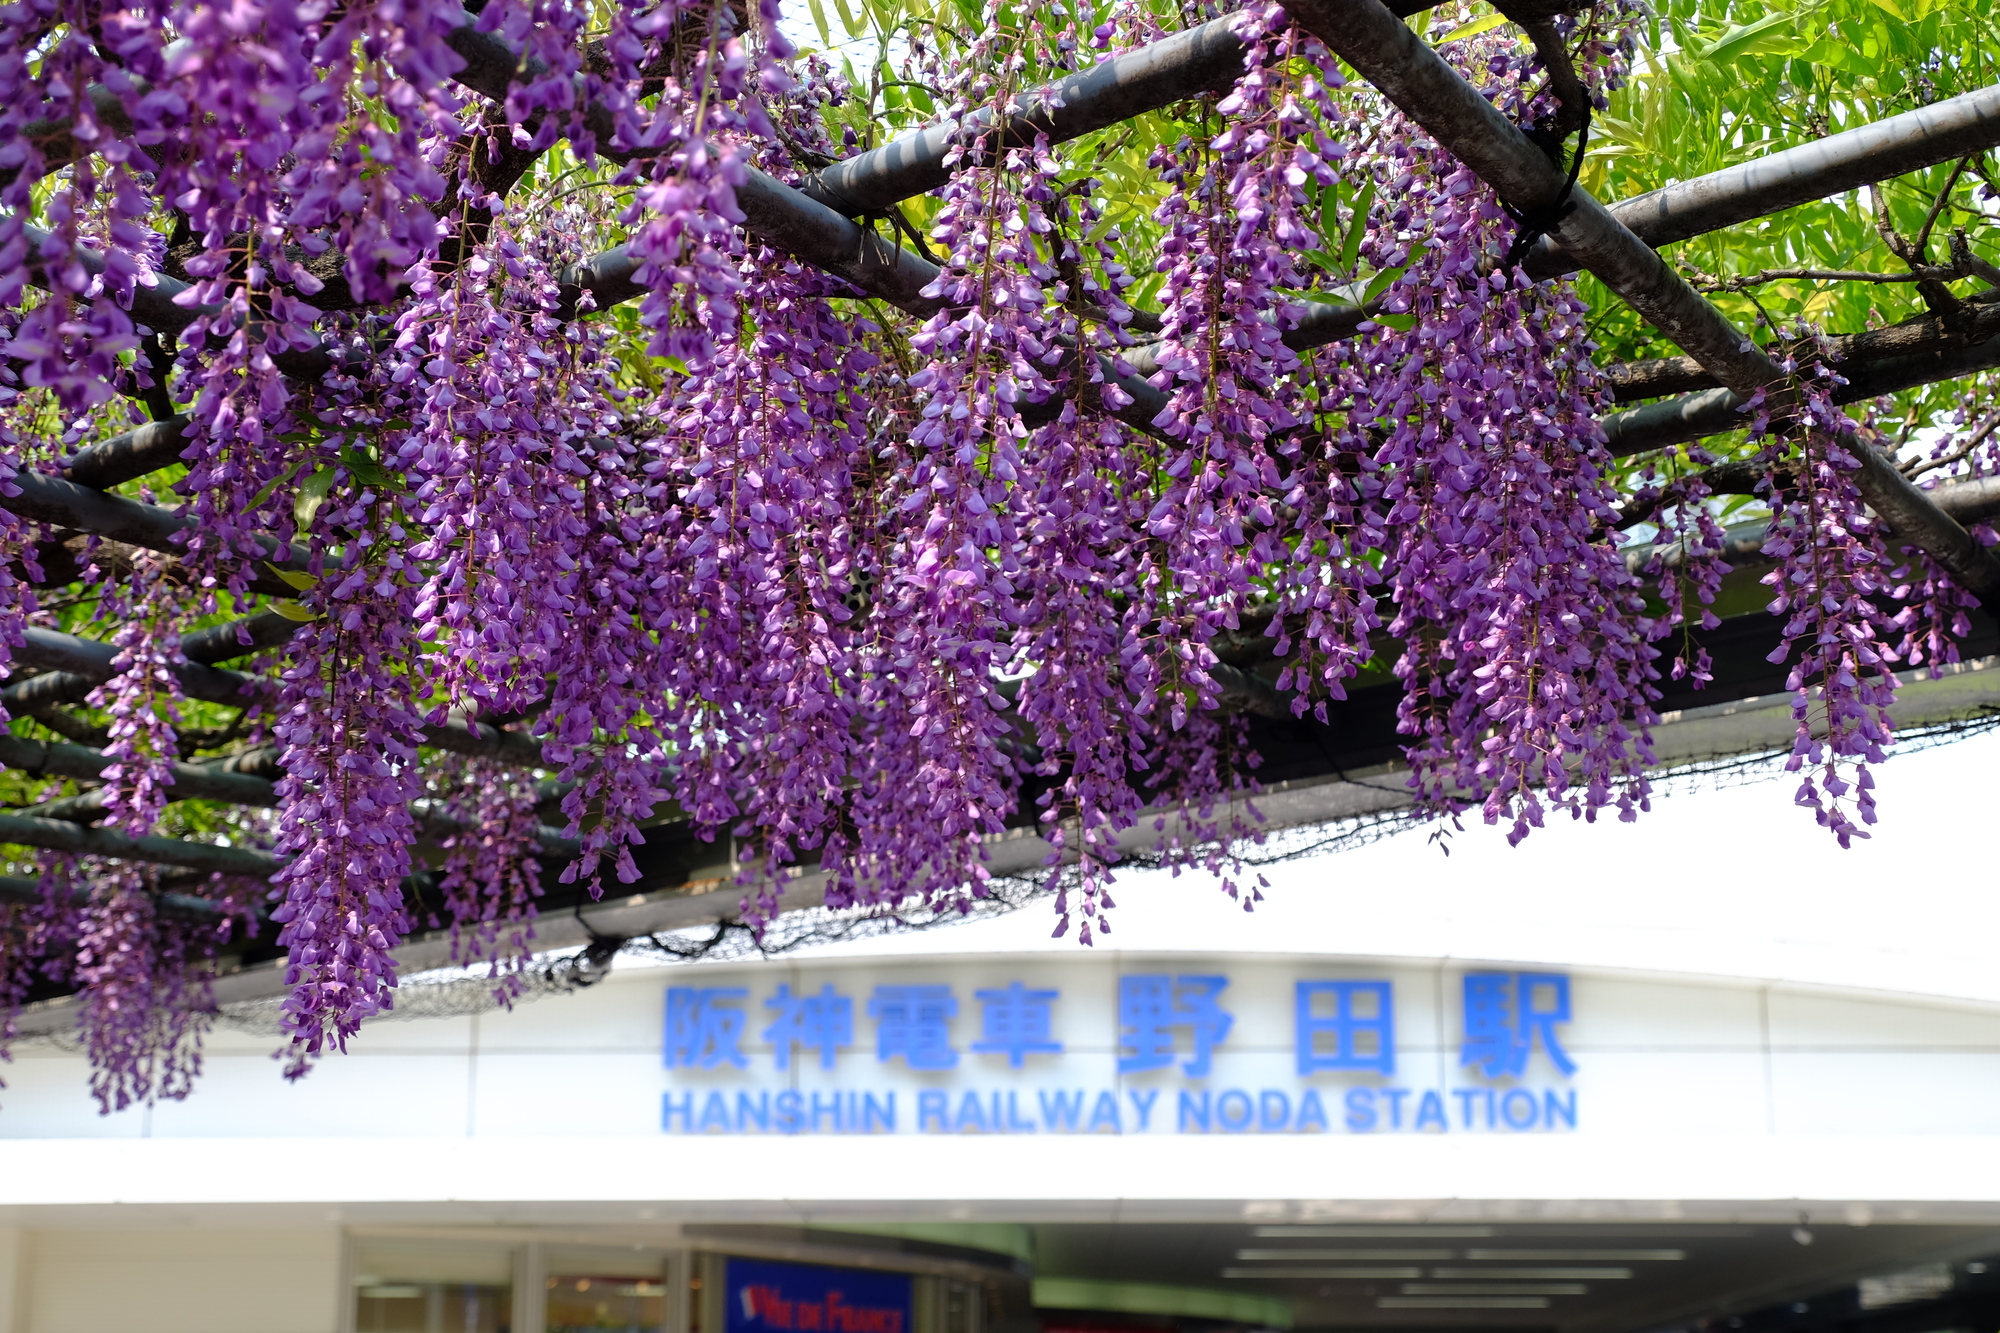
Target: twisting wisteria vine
812	567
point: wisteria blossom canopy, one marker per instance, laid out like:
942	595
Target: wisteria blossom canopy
580	432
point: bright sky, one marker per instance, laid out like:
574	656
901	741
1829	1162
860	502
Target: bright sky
1736	882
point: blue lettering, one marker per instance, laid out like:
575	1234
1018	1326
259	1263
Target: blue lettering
1016	1125
1395	1096
1150	1007
1507	1014
971	1115
1358	1031
685	1110
876	1114
1142	1106
1561	1106
1015	1022
1526	1105
790	1117
1466	1097
933	1108
1061	1109
715	1114
1489	1108
1430	1111
1273	1121
1361	1109
830	1107
702	1031
1190	1109
915	1023
758	1110
1312	1115
1232	1123
1105	1113
822	1022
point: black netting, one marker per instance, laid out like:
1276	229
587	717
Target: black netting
461	991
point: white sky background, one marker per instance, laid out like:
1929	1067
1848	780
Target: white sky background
1735	882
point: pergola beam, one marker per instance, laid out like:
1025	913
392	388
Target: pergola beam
211	781
1715	411
1976	322
90	660
1941	132
65	504
191	781
14	889
1195	60
1970	501
76	666
82	840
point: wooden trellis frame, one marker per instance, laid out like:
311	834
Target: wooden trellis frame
823	223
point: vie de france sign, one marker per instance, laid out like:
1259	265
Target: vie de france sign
1170	1053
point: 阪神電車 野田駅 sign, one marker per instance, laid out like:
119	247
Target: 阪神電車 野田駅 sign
1173	1058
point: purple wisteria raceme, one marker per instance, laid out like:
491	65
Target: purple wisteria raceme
17	598
37	943
498	409
762	453
1233	222
1686	564
690	160
145	1007
1831	567
1081	633
348	729
941	764
1526	659
491	877
143	702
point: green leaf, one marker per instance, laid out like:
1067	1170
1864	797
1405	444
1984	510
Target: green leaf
296	578
257	502
1329	213
1836	55
1773	32
819	21
365	469
1382	281
1350	253
292	610
312	494
1317	297
1473	29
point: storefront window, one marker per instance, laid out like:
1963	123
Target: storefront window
593	1290
431	1307
421	1286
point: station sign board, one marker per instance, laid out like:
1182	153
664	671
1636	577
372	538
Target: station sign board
1170	1053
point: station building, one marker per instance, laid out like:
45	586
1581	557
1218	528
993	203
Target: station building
1205	1130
